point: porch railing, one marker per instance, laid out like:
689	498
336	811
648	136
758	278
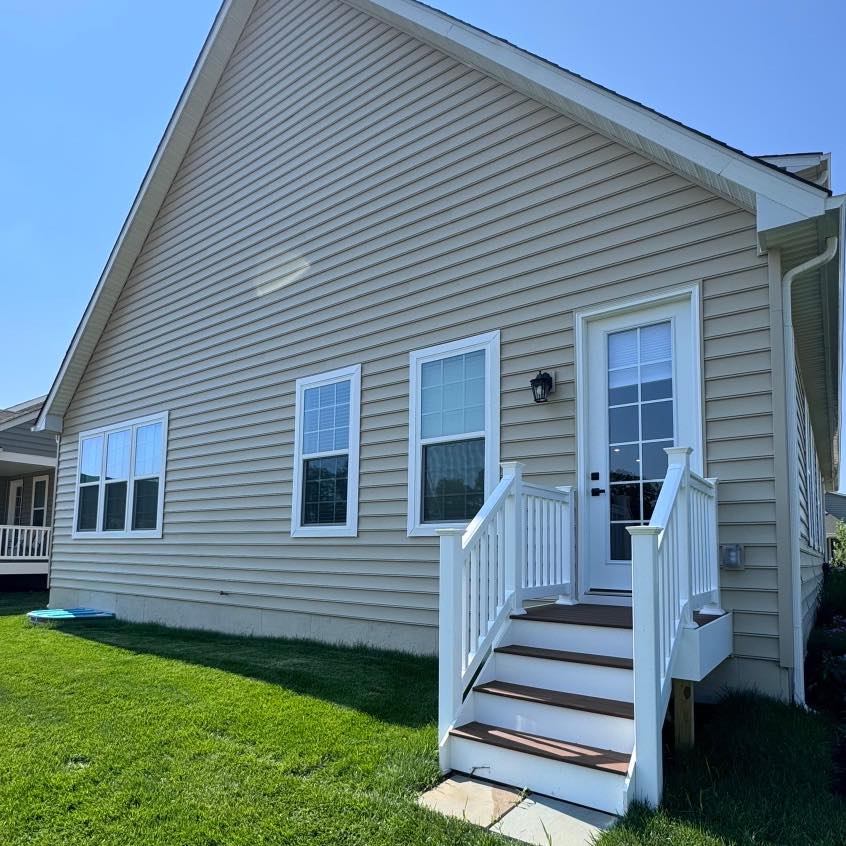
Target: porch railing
519	545
675	571
24	543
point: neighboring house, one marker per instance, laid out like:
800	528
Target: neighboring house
835	512
27	474
367	228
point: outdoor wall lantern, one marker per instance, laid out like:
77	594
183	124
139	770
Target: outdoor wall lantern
542	386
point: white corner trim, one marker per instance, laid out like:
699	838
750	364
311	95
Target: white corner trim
490	342
350	528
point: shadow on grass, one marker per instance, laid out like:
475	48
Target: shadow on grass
761	773
393	687
16	602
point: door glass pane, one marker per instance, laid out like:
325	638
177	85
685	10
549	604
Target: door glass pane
89	460
148	449
86	520
39	494
453	480
114	507
656	420
640	425
325	491
624	463
145	503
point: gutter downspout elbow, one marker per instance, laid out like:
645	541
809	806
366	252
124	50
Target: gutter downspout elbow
793	461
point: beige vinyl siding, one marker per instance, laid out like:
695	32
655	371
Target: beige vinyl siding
811	511
343	211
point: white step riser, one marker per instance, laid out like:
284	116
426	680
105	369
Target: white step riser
584	786
607	682
599	730
596	640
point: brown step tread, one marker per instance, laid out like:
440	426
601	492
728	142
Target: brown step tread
562	751
611	616
572	657
560	699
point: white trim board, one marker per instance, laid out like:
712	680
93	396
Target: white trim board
749	182
690	293
350	528
27	458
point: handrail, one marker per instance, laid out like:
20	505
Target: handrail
674	571
26	543
519	545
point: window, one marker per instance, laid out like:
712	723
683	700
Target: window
453	432
120	483
326	434
38	516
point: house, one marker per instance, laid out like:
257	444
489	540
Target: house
27	473
415	339
835	512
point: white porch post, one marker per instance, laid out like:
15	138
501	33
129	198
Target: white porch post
649	774
514	534
449	636
569	546
680	457
716	604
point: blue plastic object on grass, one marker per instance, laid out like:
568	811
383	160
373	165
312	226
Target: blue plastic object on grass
62	615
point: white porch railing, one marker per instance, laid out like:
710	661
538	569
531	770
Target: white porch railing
24	543
519	545
674	572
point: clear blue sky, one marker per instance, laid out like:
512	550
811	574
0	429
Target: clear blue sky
89	86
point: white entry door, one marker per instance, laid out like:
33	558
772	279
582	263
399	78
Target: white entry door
14	515
643	395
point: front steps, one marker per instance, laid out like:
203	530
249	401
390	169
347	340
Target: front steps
551	710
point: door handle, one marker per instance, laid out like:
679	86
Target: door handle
597	491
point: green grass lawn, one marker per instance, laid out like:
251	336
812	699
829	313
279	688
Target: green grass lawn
131	735
125	734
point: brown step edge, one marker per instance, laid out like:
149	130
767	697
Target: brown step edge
562	751
703	619
572	657
559	699
609	616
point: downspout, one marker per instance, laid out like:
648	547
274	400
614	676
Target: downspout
793	461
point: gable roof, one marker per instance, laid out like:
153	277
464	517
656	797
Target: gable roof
779	197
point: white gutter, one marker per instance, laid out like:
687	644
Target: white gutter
793	461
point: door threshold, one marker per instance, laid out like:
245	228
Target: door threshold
607	596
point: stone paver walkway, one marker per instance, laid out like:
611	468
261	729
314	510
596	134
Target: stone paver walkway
531	818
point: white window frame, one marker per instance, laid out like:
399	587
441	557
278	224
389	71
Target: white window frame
105	431
489	342
351	374
32	509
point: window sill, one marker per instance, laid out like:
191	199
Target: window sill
324	532
430	530
152	533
